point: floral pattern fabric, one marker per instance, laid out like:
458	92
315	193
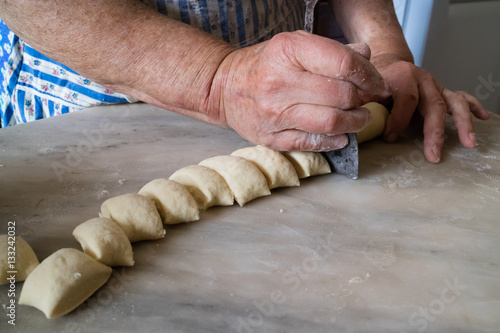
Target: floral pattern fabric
34	86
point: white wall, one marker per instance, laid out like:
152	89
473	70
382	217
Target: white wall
463	49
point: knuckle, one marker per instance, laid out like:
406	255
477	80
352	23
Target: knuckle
278	118
329	124
282	37
434	137
267	83
439	104
347	62
324	122
419	70
438	133
349	97
458	104
283	42
460	99
412	98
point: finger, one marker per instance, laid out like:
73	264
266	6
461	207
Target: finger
405	101
324	56
319	90
434	109
476	107
319	119
362	49
289	140
366	98
459	108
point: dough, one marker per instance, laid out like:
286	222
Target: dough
104	240
244	179
279	172
63	281
206	186
307	163
26	259
136	215
173	201
377	126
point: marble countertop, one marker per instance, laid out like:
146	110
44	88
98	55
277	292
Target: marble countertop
407	247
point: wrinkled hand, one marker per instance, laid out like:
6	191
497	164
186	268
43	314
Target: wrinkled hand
296	92
413	88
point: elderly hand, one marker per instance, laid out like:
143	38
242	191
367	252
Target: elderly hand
296	92
413	88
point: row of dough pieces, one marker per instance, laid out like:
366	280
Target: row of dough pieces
133	217
244	175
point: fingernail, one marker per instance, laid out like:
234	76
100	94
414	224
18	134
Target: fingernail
436	153
391	137
343	141
472	137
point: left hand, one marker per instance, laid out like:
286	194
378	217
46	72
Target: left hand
413	88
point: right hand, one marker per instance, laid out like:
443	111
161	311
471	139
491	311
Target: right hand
296	92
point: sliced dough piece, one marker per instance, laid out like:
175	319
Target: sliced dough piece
104	240
308	163
63	281
377	125
206	186
26	260
136	215
244	179
173	201
278	170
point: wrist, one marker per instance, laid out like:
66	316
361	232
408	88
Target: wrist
222	84
375	23
390	48
381	55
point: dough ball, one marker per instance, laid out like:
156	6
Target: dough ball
206	186
377	126
136	215
308	163
173	201
63	281
279	172
104	240
244	179
26	259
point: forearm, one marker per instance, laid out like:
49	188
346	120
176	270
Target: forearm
373	22
127	47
